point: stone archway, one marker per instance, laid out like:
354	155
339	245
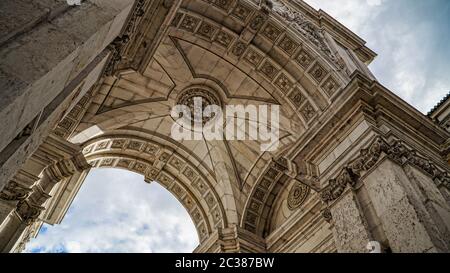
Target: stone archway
243	52
304	196
172	170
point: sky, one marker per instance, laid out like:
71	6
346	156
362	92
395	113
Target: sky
412	39
116	211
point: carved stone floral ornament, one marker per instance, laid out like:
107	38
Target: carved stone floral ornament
298	195
197	99
308	29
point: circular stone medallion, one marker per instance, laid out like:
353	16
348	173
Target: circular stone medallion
297	195
197	99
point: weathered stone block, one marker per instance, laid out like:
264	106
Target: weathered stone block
350	230
401	217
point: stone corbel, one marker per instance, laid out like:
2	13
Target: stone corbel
28	212
13	191
306	176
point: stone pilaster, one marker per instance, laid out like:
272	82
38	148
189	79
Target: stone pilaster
405	219
57	206
232	240
29	209
349	227
404	203
15	191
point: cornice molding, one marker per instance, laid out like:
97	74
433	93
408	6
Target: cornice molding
397	151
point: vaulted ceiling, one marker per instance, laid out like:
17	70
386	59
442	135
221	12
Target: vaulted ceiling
242	56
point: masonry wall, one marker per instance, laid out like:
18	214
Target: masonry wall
47	51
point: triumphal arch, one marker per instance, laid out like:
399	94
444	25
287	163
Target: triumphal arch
93	86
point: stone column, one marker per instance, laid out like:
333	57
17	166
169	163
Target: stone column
29	209
390	194
349	227
406	221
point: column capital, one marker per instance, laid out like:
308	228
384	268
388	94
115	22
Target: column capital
28	212
67	167
397	151
13	191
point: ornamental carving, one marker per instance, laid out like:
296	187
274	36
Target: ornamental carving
326	214
298	195
14	192
396	151
28	212
308	29
118	46
28	235
197	99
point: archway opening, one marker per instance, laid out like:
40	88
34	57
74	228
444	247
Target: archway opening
115	211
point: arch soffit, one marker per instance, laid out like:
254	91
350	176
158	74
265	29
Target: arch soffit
276	55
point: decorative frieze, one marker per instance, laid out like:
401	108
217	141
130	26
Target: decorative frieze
308	29
118	46
288	45
241	11
396	151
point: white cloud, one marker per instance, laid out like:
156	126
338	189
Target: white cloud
409	37
116	211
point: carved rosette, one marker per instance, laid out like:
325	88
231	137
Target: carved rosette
28	235
326	214
298	195
197	99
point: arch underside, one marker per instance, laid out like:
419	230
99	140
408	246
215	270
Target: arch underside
244	57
